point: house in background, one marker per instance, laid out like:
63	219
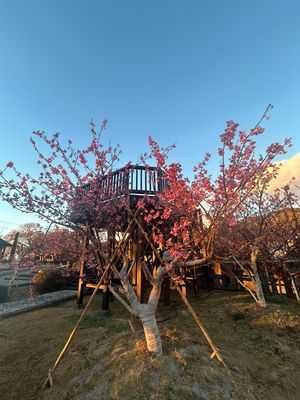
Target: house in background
4	246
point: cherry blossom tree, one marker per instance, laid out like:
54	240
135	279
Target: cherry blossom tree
75	189
28	234
201	213
58	246
258	233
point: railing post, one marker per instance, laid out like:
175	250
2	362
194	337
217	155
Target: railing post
159	181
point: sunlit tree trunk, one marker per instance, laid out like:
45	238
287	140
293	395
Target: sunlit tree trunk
147	315
145	312
257	282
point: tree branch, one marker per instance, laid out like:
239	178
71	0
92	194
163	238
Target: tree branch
121	300
147	273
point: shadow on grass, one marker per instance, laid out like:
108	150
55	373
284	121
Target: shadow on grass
97	320
280	299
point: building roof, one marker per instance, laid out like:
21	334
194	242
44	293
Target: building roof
4	243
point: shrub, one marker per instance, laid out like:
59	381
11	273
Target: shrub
49	280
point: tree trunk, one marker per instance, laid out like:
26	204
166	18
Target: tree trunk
146	312
152	337
258	285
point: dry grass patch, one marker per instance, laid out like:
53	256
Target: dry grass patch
106	360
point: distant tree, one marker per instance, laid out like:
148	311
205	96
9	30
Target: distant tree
284	249
28	234
258	232
58	245
37	243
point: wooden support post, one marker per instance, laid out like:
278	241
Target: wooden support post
81	282
137	275
14	246
268	283
287	283
2	252
183	289
183	286
80	292
166	292
139	281
105	300
111	297
195	283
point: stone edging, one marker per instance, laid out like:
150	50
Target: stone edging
23	305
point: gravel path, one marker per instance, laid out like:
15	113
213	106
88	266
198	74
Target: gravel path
19	306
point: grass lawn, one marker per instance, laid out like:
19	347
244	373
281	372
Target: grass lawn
108	361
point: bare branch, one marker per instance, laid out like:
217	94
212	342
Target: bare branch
121	300
246	287
192	263
147	273
123	271
161	274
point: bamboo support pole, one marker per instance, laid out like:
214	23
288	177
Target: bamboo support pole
80	288
73	332
185	300
51	370
295	286
203	330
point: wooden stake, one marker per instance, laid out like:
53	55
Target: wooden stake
50	378
80	289
107	268
295	286
199	323
131	325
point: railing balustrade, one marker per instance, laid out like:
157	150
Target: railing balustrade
134	180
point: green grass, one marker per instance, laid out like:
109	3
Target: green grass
280	299
97	320
238	315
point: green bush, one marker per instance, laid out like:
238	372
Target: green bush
49	280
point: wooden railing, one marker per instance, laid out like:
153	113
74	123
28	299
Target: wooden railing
134	180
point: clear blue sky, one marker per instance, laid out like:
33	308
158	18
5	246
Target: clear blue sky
174	69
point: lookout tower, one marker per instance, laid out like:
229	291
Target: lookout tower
132	183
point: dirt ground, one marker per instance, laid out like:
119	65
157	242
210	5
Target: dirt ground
108	361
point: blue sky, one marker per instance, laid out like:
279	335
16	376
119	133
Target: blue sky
176	70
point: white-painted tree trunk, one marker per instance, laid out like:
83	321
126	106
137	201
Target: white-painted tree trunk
257	282
152	336
147	315
145	312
